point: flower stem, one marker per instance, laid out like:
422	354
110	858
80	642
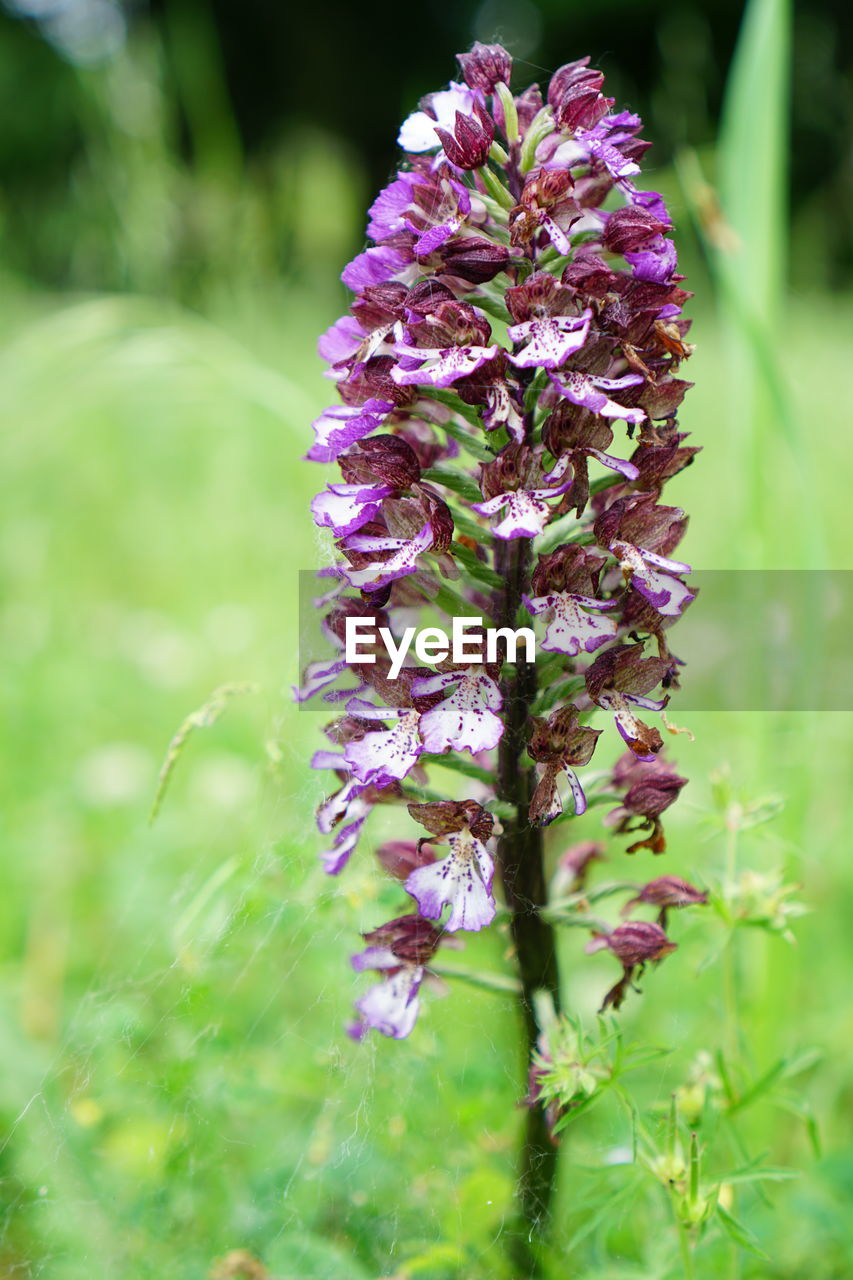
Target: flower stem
520	859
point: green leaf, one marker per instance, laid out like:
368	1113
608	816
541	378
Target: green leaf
455	480
761	1086
202	718
499	982
475	567
740	1234
457	765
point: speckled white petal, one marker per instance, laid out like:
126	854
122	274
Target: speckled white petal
462	880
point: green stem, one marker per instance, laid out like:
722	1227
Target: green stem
520	860
687	1262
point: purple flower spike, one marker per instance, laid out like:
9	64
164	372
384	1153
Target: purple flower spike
505	569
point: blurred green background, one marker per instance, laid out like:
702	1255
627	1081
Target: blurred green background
180	188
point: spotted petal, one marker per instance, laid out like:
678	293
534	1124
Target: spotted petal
463	880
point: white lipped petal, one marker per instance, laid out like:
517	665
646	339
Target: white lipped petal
403	561
572	628
387	754
417	132
462	880
392	1005
439	366
465	721
552	340
525	514
589	391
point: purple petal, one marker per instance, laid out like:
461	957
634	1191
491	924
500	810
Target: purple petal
374	266
386	214
391	1007
317	676
346	507
342	425
341	341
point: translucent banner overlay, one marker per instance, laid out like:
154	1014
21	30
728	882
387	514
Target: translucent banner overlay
753	640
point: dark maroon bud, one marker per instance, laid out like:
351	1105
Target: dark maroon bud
425	296
662	398
401	857
654	792
485	66
469	145
589	275
412	939
517	466
668	892
388	459
575	95
528	105
473	258
624	669
371	380
630	229
562	738
634	944
570	568
441	817
379	304
440	517
567	75
451	324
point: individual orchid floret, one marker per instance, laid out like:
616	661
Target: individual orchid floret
468	143
666	892
574	865
485	67
635	945
560	744
462	880
339	427
547	205
343	814
443	345
419	130
467	720
573	431
401	951
620	678
523	492
589	390
385	754
650	790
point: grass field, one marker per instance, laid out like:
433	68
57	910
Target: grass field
176	1082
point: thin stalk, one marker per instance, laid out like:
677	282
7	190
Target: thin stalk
687	1262
520	860
729	956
